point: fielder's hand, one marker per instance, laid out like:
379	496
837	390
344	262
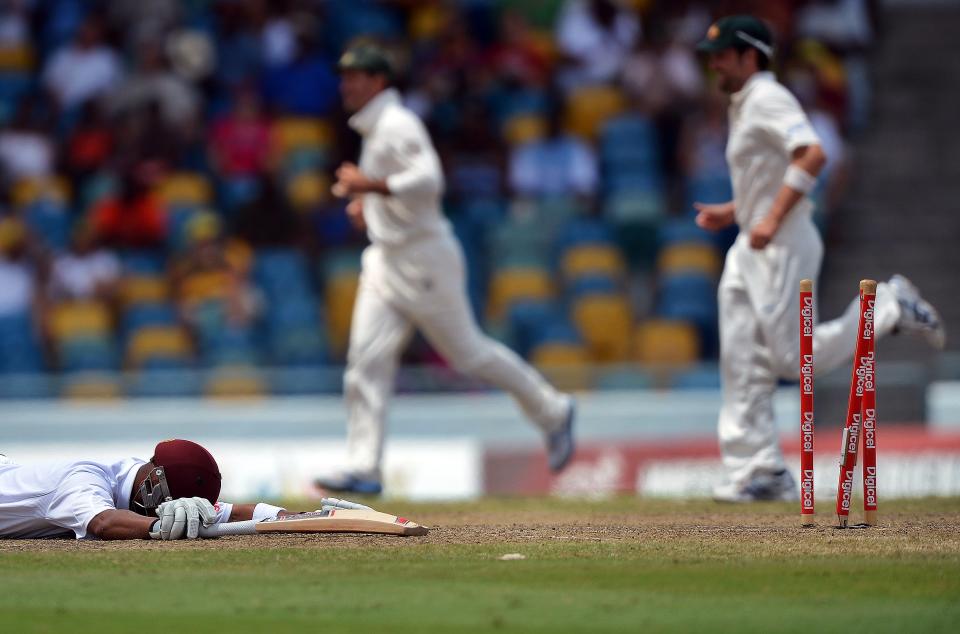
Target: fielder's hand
762	233
350	181
714	217
182	518
355	214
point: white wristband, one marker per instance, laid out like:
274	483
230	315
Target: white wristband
798	179
264	511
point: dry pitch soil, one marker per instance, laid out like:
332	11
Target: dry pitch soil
909	527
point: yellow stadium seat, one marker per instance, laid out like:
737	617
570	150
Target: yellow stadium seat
16	59
689	257
79	319
592	259
157	342
92	387
186	188
308	189
589	108
604	322
29	190
524	128
144	289
291	133
559	354
238	382
340	295
665	342
203	286
515	284
566	365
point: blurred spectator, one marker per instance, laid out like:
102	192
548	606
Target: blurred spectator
86	271
206	275
306	85
516	56
143	20
278	36
661	75
152	82
594	36
557	165
91	142
134	218
14	23
82	69
269	219
703	140
240	140
20	272
26	148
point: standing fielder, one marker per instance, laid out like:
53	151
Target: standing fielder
774	158
413	277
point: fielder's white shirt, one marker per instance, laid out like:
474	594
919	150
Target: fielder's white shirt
57	498
397	149
766	125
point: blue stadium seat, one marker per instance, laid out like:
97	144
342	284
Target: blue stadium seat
51	221
139	262
164	383
140	315
591	285
19	346
305	381
87	353
700	378
682	229
298	347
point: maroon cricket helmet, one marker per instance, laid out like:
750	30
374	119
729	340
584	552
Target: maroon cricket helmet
189	469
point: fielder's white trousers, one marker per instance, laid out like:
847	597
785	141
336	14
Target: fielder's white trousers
759	304
423	285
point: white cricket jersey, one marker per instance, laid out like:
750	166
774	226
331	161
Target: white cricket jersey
766	125
57	498
397	149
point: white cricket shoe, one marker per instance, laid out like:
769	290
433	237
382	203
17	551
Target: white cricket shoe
763	487
917	314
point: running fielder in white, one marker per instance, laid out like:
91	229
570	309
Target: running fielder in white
774	157
413	276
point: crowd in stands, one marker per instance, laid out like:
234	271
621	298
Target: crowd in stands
165	171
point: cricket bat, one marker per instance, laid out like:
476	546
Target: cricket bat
326	521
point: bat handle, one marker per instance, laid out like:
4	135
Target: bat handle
220	529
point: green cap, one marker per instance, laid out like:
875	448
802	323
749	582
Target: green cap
365	57
737	30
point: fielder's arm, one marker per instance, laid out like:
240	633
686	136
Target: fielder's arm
800	179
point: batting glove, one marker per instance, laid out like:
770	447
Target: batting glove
182	518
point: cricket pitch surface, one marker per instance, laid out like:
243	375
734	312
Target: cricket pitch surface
622	565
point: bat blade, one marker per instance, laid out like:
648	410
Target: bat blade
342	521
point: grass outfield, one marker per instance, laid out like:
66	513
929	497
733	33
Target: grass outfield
621	566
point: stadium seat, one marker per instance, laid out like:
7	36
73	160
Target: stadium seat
588	108
565	364
53	189
79	353
586	285
19	346
524	127
186	189
682	230
693	257
297	346
303	381
592	259
231	382
663	342
78	319
698	378
16	59
140	262
50	221
294	133
307	190
340	294
158	342
511	285
91	386
144	289
620	377
604	322
163	383
204	286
